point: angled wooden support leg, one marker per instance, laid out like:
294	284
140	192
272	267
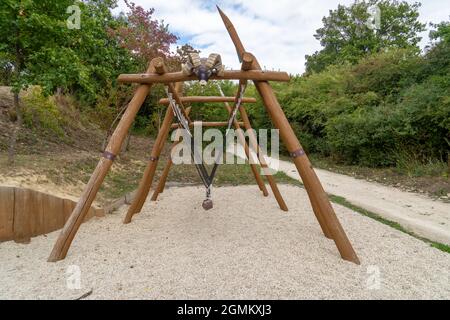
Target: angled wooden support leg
251	161
162	181
249	156
319	199
72	225
149	173
262	160
321	205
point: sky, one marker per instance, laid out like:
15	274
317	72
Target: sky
279	32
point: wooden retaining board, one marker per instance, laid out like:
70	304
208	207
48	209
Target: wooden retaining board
6	213
25	213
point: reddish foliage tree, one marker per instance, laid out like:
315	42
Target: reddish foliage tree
145	37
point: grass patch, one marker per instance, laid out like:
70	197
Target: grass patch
282	177
342	201
120	183
226	174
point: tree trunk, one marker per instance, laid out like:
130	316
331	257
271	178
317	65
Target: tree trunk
15	133
17	70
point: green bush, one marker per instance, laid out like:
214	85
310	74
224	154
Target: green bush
363	137
389	109
41	113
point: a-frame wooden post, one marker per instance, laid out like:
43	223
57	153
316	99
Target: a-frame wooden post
149	173
260	157
163	179
72	225
321	205
262	161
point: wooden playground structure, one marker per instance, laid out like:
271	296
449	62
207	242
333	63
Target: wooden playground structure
250	70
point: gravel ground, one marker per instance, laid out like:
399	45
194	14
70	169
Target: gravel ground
245	248
415	212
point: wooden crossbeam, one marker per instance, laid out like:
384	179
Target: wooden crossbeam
203	99
255	75
206	124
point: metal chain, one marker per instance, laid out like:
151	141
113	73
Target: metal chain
185	124
231	120
206	178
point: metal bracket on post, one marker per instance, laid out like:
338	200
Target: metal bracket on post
298	153
108	155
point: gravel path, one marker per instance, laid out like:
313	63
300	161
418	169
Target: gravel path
244	248
418	213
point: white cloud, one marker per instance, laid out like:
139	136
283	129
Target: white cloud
279	32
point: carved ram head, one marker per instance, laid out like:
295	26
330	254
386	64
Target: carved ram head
203	68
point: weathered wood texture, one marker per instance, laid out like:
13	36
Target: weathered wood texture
149	173
165	174
206	124
114	146
6	213
256	75
201	99
26	213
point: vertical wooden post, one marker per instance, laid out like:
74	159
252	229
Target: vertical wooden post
163	179
264	166
72	225
324	211
149	173
249	156
241	138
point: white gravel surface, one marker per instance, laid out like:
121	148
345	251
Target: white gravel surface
415	212
245	248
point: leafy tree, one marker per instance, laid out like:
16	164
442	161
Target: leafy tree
437	57
144	36
38	48
442	32
28	29
346	35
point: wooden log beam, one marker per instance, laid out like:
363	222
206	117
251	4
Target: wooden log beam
241	137
262	160
255	75
203	99
149	173
321	205
159	66
72	225
247	61
162	181
206	124
254	143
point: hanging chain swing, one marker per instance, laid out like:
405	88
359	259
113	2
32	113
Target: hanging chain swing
196	155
